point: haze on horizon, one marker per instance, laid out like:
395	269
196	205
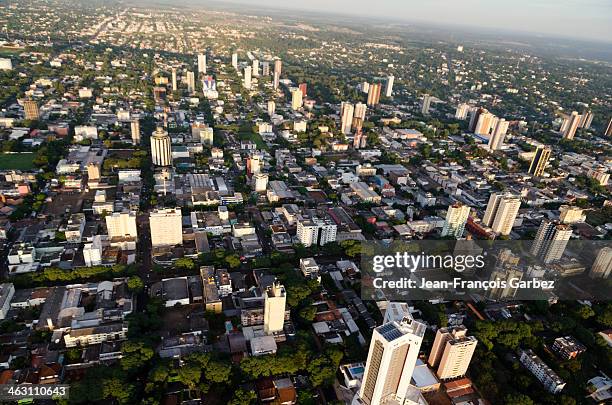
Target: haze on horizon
579	19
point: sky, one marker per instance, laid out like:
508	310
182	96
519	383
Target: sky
584	19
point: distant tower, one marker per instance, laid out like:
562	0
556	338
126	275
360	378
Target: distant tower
539	161
296	99
247	77
135	128
161	148
392	357
255	68
499	133
346	117
570	125
30	108
271	107
235	60
501	212
374	94
452	352
265	69
201	63
174	86
190	82
486	120
360	111
389	88
608	131
456	218
275	298
462	111
550	241
278	67
304	89
602	267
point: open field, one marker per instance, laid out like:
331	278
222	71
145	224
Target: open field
17	161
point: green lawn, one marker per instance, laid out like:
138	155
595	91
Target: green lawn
17	161
250	136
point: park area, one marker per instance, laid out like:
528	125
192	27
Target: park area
17	161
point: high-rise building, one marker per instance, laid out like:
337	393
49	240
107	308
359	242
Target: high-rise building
265	68
304	89
461	112
474	117
296	99
255	67
135	130
426	104
313	231
247	77
260	182
271	107
501	212
374	94
166	227
499	133
570	214
389	88
602	266
360	111
539	161
346	117
570	125
608	131
586	120
484	123
550	241
174	85
506	273
93	171
278	67
235	60
456	218
452	352
121	225
30	108
392	357
275	299
254	164
191	82
202	63
161	148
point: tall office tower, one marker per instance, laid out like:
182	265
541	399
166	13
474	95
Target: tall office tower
360	111
296	99
93	171
426	104
235	60
265	68
484	123
191	82
278	68
452	352
166	227
602	266
271	107
501	212
586	120
456	218
461	112
506	274
389	88
202	63
608	131
135	130
550	241
174	85
346	117
121	225
275	298
304	89
392	357
570	125
161	148
260	182
474	117
247	77
255	67
539	161
254	164
374	94
30	108
496	140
